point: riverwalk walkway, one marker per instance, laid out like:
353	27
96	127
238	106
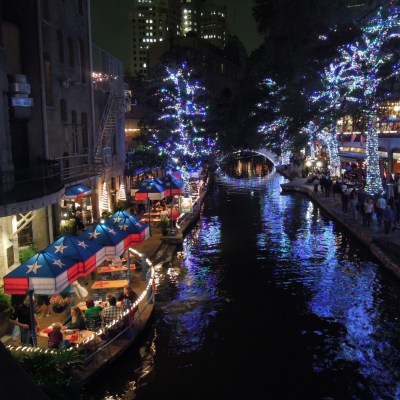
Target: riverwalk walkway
386	248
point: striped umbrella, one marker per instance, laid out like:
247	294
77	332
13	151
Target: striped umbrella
88	254
44	273
138	231
112	239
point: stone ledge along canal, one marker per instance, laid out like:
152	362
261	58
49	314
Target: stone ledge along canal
267	299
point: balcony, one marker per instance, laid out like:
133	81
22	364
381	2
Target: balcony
28	184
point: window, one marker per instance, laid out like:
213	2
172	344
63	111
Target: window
48	80
63	110
60	41
85	132
45	10
82	61
80	7
74	132
71	52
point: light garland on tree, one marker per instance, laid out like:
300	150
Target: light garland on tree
275	131
122	192
356	75
181	99
104	204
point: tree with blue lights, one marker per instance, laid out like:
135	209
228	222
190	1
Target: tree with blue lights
274	125
358	73
181	133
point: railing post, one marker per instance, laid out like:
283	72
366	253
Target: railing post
143	263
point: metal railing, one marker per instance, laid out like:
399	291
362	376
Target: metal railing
30	183
127	330
76	167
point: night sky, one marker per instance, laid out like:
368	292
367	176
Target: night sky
111	30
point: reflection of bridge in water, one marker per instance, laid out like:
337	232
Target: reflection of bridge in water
249	163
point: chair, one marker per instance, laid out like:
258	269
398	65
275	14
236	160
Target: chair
93	324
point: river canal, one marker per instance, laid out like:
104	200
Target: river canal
268	299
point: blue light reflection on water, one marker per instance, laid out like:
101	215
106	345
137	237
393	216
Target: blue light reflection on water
271	297
343	291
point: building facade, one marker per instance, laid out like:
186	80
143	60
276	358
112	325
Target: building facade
58	131
154	21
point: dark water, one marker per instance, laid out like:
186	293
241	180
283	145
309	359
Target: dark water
269	299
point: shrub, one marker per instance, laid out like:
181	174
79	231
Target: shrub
27	253
52	371
5	301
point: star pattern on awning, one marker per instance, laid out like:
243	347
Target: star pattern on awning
33	267
60	248
83	244
94	234
59	263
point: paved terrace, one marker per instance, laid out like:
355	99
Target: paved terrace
386	248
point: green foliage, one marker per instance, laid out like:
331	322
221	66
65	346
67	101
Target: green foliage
5	301
68	227
52	372
27	253
121	205
164	223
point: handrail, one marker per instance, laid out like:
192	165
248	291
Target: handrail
102	123
150	300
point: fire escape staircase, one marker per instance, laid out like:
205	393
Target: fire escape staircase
106	131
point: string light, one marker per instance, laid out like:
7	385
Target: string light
149	287
184	113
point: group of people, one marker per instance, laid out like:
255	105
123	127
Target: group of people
90	319
356	201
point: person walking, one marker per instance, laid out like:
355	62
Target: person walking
316	184
388	219
369	210
379	207
353	206
345	201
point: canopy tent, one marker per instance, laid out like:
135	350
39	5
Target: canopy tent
118	216
88	254
138	231
113	240
44	273
72	192
149	189
177	174
172	185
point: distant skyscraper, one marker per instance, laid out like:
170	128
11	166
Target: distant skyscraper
156	20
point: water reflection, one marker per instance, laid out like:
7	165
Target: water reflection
196	297
268	296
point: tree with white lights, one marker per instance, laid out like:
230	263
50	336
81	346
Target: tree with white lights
182	135
274	125
358	73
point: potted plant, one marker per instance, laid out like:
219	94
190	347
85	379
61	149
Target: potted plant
59	303
164	225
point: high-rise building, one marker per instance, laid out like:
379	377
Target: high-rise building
154	21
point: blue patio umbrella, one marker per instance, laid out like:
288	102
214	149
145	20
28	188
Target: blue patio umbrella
75	191
44	273
112	239
138	231
87	253
172	185
118	216
149	189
